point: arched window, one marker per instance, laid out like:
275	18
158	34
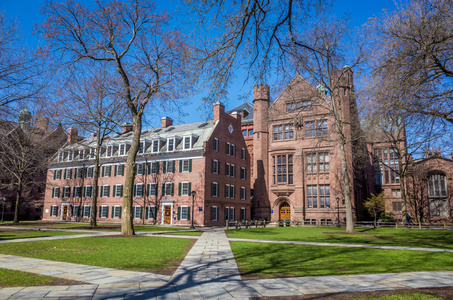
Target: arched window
437	186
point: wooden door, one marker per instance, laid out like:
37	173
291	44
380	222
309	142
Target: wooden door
167	214
65	212
285	212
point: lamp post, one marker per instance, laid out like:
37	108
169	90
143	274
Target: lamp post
193	212
338	211
3	206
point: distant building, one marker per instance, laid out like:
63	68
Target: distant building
209	158
36	139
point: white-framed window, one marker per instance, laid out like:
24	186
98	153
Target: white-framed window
151	212
142	147
243	193
169	166
137	212
77	191
87	211
155	146
119	170
216	144
243	154
57	174
152	189
185	165
215	166
66	192
109	152
118	190
54	210
92	153
185	189
140	169
122	149
89	171
187	142
88	191
168	189
105	191
106	171
243	173
56	192
214	213
184	213
227	191
78	173
153	167
232	191
396	193
75	211
171	144
61	156
104	211
67	173
70	155
243	215
231	214
81	154
117	212
138	190
215	189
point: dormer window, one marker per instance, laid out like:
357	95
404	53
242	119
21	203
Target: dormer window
92	153
109	151
170	144
70	155
155	146
142	147
60	156
188	141
81	154
123	148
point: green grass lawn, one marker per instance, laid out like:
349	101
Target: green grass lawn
403	296
193	233
128	253
379	236
9	278
6	234
274	260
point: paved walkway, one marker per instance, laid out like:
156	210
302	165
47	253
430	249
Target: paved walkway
209	271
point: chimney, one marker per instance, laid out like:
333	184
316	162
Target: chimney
165	122
219	109
126	127
42	123
72	135
236	115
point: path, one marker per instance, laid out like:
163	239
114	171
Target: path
209	271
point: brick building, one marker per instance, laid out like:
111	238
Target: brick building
208	158
296	161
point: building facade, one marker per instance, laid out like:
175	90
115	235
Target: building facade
205	162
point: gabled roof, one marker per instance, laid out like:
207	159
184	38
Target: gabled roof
246	111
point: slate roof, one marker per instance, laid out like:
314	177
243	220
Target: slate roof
246	111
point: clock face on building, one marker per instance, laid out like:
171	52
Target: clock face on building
230	128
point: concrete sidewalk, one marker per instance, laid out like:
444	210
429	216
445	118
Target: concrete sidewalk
209	271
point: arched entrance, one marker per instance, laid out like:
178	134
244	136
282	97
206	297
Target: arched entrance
285	211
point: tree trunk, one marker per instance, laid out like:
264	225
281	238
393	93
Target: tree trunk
346	186
127	226
18	202
94	206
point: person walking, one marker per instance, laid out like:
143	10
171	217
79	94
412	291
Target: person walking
408	220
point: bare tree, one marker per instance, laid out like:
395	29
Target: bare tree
21	69
150	61
413	57
88	102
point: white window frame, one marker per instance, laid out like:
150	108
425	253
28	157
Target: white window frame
103	193
217	189
184	209
118	168
109	151
109	172
67	191
118	190
57	174
61	156
167	192
74	208
116	211
90	169
154	168
104	214
216	213
88	188
149	207
55	193
185	185
135	212
185	168
153	189
79	193
173	141
81	154
137	194
184	142
122	152
54	211
86	211
66	172
153	142
142	147
92	153
142	169
70	155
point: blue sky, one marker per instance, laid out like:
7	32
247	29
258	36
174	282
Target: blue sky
27	13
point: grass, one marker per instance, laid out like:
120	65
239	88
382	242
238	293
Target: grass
128	253
192	233
403	296
9	278
377	236
23	234
279	260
